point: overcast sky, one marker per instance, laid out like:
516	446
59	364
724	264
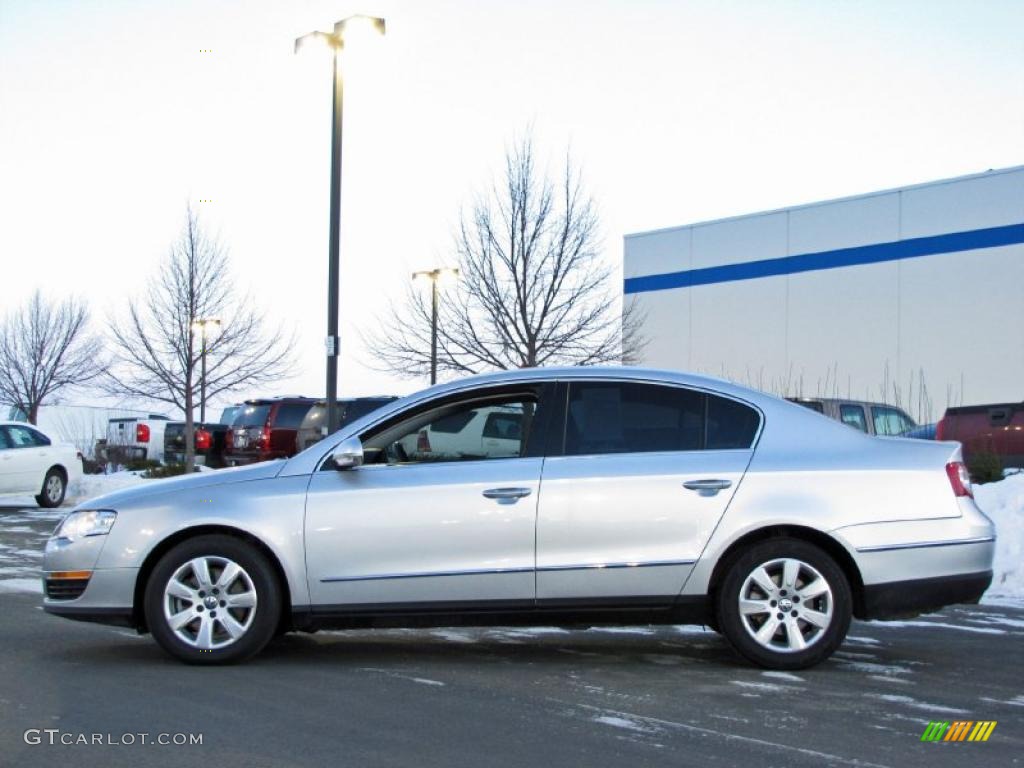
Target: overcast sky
112	118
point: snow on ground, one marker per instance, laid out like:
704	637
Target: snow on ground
90	486
1004	503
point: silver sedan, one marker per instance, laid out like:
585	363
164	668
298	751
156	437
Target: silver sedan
575	497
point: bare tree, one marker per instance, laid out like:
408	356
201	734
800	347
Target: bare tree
46	347
532	289
157	347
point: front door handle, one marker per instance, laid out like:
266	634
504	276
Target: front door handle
707	487
506	494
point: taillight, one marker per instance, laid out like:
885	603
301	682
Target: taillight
263	441
142	433
202	440
940	429
423	442
959	478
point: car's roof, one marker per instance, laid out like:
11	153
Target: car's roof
596	372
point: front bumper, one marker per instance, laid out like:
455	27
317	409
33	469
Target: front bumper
108	598
903	599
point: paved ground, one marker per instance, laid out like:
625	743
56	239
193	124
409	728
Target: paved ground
503	697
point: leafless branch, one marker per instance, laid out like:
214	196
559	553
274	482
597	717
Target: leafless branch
46	347
157	348
532	290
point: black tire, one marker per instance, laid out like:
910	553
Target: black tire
49	499
264	581
769	654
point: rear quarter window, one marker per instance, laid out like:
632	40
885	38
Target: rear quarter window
731	425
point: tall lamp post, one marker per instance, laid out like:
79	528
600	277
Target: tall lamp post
335	41
435	276
200	325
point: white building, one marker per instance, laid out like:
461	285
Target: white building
911	295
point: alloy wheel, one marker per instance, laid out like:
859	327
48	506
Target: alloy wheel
786	605
210	602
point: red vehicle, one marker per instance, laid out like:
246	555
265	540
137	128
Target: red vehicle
997	429
265	429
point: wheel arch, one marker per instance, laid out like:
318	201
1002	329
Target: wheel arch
830	545
162	548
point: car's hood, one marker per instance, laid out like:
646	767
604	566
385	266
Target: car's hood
136	493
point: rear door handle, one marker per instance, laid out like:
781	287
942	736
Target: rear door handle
707	487
506	494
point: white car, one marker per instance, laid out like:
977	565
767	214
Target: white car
31	463
490	431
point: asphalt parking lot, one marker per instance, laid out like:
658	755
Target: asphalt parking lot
635	696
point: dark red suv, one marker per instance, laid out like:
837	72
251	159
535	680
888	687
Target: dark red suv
265	429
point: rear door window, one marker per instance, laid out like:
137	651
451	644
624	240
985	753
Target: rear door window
853	416
626	417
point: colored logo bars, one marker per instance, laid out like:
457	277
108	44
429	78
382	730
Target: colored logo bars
959	730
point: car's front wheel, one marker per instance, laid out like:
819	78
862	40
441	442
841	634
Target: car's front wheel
784	604
213	599
54	488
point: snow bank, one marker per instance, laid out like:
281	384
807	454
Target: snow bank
1004	503
90	486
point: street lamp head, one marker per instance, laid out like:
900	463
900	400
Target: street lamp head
317	41
360	25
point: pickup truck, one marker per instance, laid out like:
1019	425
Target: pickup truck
997	429
873	418
135	437
209	440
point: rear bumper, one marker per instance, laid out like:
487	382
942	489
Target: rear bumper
903	599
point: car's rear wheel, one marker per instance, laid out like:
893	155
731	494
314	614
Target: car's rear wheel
213	599
784	604
54	487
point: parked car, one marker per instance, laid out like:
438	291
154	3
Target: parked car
665	498
135	437
488	432
32	463
873	418
265	429
992	429
313	428
209	441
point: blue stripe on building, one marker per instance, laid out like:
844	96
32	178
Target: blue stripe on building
876	253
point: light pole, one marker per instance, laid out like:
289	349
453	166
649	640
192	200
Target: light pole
352	25
201	325
435	276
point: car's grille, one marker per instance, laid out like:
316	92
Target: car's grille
65	589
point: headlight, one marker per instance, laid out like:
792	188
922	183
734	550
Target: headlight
93	522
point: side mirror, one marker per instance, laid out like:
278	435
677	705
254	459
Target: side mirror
348	454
